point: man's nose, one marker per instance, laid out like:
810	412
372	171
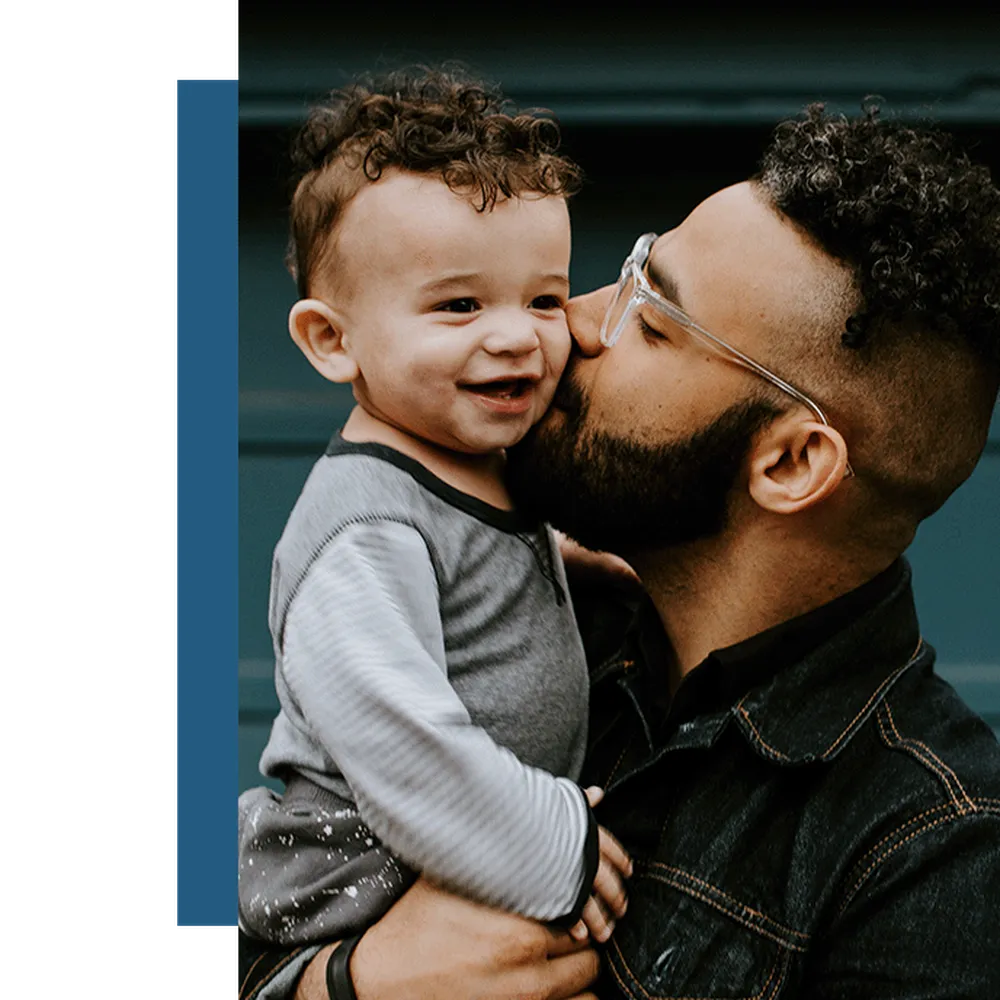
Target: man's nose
585	313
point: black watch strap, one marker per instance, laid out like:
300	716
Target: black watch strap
338	971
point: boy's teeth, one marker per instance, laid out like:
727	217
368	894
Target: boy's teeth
502	389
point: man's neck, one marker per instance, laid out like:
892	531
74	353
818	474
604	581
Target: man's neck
713	594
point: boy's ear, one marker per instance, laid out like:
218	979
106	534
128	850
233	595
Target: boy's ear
314	326
795	464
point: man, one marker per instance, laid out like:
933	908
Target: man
761	412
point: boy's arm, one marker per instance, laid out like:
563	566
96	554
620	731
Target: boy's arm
363	659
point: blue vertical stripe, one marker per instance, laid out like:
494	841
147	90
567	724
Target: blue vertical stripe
206	501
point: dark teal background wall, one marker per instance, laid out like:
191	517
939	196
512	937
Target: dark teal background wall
660	112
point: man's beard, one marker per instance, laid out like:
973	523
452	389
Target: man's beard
617	495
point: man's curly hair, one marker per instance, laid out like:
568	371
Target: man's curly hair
428	121
917	222
911	363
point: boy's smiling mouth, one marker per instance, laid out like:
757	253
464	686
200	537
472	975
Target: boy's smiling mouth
505	395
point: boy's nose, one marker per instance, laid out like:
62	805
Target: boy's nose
513	335
585	313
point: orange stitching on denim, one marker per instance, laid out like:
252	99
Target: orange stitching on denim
875	695
760	739
287	960
618	763
930	761
983	805
740	918
782	961
902	745
940	763
936	758
912	821
930	753
257	961
621	982
732	899
888	854
784	972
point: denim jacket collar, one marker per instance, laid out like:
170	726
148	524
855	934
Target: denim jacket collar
880	645
805	711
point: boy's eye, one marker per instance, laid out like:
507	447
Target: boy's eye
458	306
546	302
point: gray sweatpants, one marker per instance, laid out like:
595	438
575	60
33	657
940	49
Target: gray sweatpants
309	868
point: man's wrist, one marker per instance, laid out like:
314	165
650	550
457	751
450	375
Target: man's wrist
339	984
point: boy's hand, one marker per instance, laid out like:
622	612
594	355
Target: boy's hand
608	902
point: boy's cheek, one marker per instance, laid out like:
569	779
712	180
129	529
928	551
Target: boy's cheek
557	348
544	393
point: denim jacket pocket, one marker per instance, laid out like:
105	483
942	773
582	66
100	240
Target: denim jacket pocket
685	939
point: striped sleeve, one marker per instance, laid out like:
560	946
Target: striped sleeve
363	657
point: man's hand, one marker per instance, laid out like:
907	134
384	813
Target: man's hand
608	902
585	564
432	944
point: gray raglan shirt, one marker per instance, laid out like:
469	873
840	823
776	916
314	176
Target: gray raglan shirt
429	668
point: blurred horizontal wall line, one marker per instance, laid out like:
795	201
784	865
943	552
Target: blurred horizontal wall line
972	104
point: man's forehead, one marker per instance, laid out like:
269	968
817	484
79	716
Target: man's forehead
733	215
736	235
735	262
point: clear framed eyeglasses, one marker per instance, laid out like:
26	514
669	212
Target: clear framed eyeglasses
633	290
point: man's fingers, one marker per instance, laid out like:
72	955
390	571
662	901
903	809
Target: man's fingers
562	943
567	976
613	851
594	795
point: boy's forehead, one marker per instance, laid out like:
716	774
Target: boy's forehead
407	202
417	221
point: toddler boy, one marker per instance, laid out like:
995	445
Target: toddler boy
432	683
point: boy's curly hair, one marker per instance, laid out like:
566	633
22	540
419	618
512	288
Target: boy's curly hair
915	219
429	121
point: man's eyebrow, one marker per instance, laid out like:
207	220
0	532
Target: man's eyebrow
663	282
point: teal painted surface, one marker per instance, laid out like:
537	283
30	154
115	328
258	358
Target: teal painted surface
956	571
650	66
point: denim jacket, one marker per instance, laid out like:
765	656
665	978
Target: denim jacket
827	830
832	832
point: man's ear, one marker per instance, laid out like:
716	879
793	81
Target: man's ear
795	464
315	327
